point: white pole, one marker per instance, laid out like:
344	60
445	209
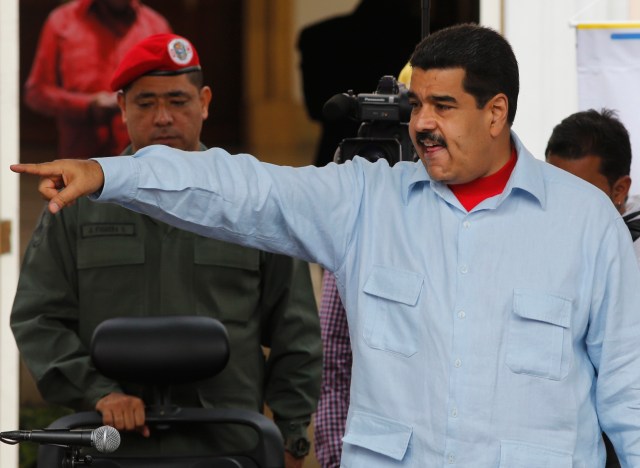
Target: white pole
491	14
9	214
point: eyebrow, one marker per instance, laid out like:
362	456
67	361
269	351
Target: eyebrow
435	97
170	94
442	98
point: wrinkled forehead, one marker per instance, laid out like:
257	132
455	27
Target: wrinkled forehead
444	81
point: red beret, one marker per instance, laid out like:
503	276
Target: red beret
160	54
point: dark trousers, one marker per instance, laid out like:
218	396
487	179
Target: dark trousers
612	458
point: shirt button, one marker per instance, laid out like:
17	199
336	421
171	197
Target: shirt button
458	363
466	224
454	413
451	459
461	314
464	269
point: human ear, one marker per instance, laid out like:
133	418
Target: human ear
205	100
498	107
122	104
620	190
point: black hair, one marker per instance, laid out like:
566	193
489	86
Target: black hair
486	57
195	77
593	133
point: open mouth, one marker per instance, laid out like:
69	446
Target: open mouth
431	142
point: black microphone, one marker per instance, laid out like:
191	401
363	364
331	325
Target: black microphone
105	439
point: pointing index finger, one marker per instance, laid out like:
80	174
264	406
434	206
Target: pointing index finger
43	169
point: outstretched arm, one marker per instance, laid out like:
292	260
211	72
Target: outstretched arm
65	180
236	198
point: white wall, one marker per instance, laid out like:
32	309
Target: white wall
544	41
9	209
544	44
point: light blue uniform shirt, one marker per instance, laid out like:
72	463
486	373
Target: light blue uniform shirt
503	337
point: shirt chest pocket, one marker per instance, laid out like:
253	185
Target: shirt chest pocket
539	339
391	316
372	440
516	454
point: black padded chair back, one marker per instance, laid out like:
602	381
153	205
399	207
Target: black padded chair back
159	352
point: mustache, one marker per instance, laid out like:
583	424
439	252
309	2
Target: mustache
432	137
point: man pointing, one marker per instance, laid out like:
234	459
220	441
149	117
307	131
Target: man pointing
492	299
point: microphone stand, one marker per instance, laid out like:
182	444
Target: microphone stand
73	458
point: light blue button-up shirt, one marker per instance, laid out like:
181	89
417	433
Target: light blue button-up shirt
502	337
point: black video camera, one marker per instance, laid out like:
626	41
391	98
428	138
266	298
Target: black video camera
384	128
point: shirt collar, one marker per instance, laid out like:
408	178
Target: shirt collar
526	176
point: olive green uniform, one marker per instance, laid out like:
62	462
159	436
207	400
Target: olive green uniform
95	261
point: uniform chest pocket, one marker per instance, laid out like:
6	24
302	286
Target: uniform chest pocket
391	316
110	278
100	252
231	279
215	253
539	336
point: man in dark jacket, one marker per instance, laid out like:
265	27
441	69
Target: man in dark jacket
95	262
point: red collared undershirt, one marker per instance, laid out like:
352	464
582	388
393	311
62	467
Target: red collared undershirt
476	191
